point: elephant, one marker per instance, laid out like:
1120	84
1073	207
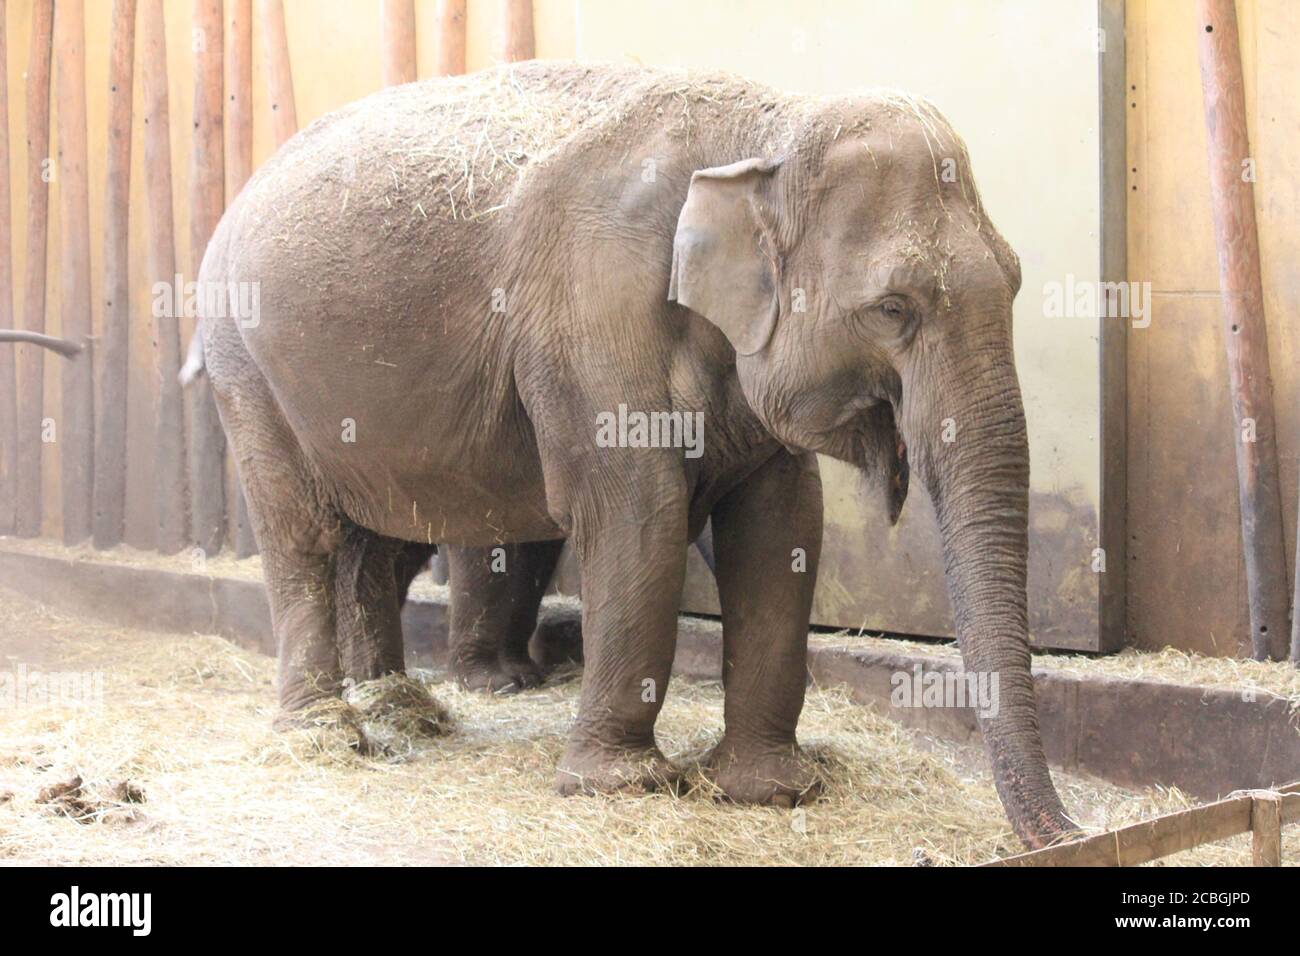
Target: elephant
61	346
496	594
503	309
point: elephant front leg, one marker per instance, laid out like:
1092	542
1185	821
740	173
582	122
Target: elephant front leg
767	539
632	558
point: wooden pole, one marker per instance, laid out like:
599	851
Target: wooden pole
449	57
516	40
239	96
115	336
171	483
76	432
31	361
1266	829
1244	328
53	343
397	35
8	360
239	166
279	74
207	201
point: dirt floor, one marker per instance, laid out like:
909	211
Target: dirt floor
178	764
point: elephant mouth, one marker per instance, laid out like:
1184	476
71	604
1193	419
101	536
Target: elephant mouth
899	479
900	471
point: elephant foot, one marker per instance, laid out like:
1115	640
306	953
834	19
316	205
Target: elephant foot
508	675
780	776
604	770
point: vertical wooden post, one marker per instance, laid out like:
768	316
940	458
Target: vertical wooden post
239	166
207	201
115	334
1244	328
516	40
171	483
8	358
76	430
1266	829
449	57
239	96
279	73
397	35
31	360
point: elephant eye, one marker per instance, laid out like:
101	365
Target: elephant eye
894	307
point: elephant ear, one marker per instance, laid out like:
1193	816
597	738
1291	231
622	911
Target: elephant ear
725	261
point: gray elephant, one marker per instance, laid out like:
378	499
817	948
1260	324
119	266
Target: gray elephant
499	308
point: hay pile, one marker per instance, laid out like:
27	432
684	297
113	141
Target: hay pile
185	727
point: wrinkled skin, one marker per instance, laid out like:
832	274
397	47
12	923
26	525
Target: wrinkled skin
495	598
796	269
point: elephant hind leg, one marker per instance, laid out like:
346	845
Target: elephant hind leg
297	533
495	596
410	561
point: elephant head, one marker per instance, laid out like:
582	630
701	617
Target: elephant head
62	346
868	300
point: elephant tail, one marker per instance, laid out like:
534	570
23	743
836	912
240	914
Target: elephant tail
194	362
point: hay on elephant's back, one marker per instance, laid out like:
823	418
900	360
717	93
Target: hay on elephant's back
483	134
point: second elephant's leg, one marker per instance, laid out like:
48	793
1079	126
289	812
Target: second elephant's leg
495	596
767	536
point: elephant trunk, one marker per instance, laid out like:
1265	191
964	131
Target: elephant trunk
62	346
977	474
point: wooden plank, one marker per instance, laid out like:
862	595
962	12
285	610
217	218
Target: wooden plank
76	430
397	37
207	201
449	56
1112	591
1244	329
8	359
279	73
171	481
1187	583
515	42
1146	841
1266	829
1290	808
239	166
31	361
115	342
